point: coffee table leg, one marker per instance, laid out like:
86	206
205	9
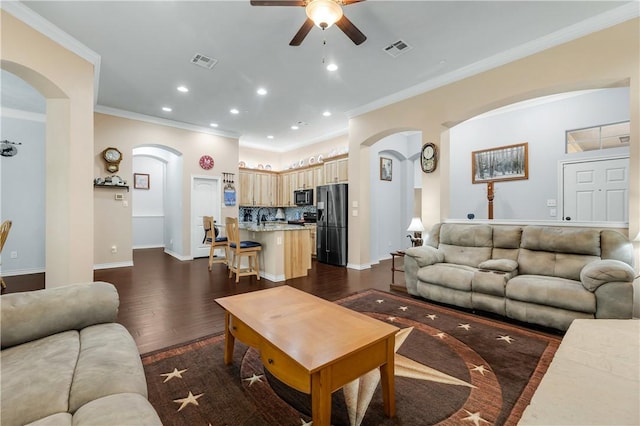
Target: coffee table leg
387	379
229	340
320	398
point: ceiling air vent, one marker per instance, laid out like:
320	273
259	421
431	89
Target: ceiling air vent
203	61
396	49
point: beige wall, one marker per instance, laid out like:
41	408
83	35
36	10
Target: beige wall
603	59
113	225
66	81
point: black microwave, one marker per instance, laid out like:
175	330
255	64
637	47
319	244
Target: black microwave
303	197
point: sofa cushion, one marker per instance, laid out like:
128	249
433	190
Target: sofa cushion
507	237
448	275
616	246
551	291
490	282
561	240
465	244
108	363
597	273
553	264
58	419
37	377
33	314
130	409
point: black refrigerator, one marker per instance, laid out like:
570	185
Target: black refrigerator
331	238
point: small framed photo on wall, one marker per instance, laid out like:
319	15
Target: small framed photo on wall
386	168
141	181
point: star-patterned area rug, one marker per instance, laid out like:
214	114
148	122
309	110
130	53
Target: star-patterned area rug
451	368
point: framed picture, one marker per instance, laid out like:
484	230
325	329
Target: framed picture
141	181
386	171
509	162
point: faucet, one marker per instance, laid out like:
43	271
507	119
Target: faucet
258	215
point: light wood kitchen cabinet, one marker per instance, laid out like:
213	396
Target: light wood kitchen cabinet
288	184
312	236
336	171
246	180
258	189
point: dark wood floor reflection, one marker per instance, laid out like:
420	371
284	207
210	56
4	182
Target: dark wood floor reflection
164	301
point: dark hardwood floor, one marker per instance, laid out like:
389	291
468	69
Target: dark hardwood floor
165	302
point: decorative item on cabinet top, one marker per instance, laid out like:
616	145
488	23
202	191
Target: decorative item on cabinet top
8	148
110	182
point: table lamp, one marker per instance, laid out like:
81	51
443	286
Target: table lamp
416	227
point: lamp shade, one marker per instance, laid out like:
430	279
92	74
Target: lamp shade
324	13
415	225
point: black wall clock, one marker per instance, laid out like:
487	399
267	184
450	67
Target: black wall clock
429	157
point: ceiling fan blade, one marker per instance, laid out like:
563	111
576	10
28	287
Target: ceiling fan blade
302	33
348	2
278	3
351	30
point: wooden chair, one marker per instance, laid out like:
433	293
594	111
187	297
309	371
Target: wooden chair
4	232
239	249
215	242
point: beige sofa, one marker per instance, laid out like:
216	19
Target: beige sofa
536	274
66	362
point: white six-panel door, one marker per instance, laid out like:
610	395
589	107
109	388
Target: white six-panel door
596	191
205	201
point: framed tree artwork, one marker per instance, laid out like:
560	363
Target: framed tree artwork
504	163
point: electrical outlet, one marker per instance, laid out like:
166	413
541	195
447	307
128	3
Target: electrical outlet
14	254
114	249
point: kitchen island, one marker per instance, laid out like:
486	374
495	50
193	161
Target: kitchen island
286	249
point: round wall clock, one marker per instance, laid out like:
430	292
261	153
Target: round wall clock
206	162
429	158
112	156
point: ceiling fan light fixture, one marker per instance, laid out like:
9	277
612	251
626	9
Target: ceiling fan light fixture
324	13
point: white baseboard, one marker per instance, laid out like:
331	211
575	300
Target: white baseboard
359	267
178	255
113	265
148	246
27	271
272	277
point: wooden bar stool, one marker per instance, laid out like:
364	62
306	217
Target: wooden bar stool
239	249
215	242
4	233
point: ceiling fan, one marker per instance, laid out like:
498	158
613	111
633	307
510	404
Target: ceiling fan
322	13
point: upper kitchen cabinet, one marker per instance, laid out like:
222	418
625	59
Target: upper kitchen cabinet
336	170
258	189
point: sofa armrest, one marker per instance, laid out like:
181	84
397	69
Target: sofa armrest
425	255
500	265
600	272
35	314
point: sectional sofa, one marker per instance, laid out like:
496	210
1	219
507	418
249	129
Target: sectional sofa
542	275
65	361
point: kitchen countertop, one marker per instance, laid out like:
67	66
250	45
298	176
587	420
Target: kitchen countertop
270	227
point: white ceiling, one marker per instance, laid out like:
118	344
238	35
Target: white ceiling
145	48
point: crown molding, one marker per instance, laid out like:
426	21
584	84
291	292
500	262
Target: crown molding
162	121
38	23
572	32
292	146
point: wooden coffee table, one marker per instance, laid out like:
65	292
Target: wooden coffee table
310	344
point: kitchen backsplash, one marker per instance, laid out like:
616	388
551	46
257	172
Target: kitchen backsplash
249	214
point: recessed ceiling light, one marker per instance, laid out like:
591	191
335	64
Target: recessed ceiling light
332	67
327	113
213	124
234	111
182	89
270	137
167	109
294	127
261	91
